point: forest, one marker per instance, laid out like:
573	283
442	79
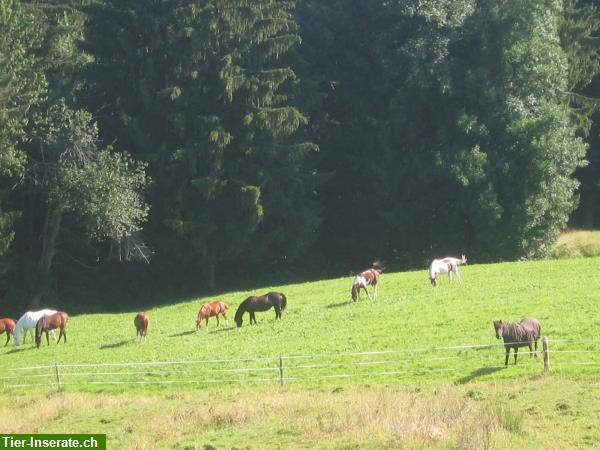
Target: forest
152	148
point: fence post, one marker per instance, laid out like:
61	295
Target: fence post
57	375
281	369
546	354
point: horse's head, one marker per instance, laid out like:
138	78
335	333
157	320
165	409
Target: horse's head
463	259
433	281
498	328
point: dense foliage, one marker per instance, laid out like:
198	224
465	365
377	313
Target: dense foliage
244	137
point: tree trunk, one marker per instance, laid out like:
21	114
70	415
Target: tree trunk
49	236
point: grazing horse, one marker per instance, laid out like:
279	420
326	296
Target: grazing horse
265	302
28	322
7	325
445	265
212	309
51	322
366	278
524	334
141	325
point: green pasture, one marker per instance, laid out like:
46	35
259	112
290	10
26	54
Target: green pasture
420	367
412	332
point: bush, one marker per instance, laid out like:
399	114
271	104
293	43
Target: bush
576	244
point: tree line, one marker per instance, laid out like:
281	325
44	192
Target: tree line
179	141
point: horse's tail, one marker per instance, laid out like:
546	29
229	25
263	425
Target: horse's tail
283	301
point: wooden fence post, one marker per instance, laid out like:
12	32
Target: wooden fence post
57	375
281	369
546	354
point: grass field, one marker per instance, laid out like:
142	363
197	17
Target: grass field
418	368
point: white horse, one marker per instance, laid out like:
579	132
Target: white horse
28	321
447	265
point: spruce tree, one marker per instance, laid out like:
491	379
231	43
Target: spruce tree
201	91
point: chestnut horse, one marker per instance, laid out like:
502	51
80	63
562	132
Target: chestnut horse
141	325
366	278
51	322
212	309
7	325
265	302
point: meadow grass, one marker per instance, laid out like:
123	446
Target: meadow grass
576	244
435	379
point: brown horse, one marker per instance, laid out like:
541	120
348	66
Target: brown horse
366	278
7	325
212	309
51	322
265	302
141	325
524	334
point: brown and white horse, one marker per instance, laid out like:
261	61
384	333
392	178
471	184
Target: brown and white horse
141	325
366	278
213	309
447	265
51	322
7	325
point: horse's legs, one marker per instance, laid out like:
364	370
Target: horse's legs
507	355
450	275
47	338
226	319
535	343
458	275
516	351
7	338
252	317
64	333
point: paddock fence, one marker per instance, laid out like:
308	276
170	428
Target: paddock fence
459	363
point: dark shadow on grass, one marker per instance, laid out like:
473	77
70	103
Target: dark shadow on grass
16	350
183	333
479	373
339	305
116	344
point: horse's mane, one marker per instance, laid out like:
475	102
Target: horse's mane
241	309
520	332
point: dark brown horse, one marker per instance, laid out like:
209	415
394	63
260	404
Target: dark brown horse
213	309
265	302
7	325
51	322
524	334
141	325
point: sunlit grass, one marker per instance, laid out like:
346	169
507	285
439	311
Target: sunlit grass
434	377
576	244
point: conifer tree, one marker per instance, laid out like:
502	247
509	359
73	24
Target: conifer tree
201	91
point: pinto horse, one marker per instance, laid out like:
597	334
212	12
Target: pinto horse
447	265
7	325
141	325
366	278
524	334
261	303
28	321
212	309
51	322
